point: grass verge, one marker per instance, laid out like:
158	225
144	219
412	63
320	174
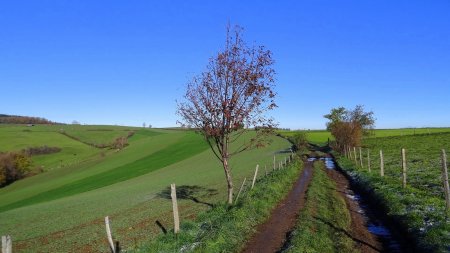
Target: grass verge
226	229
323	223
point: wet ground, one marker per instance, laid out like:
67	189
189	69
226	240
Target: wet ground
368	230
271	235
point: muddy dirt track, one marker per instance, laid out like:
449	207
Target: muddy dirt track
365	241
271	235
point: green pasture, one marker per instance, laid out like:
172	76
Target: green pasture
18	137
408	131
314	136
322	136
422	155
97	135
63	209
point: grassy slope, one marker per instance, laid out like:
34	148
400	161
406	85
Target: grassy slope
132	203
226	230
96	134
15	138
321	224
185	147
88	168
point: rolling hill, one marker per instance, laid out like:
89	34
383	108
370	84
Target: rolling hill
62	209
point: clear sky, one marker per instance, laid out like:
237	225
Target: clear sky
126	62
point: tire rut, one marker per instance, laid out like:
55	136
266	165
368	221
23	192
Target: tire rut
271	235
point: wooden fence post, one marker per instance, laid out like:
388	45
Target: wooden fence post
445	179
381	163
285	161
6	244
254	177
404	167
240	190
3	243
108	234
360	158
273	162
176	217
368	159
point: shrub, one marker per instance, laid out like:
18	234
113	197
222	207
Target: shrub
120	143
300	141
43	150
13	166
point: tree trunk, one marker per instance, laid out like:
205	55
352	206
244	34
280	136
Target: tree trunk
226	168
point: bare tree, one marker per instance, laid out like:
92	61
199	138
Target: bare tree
230	98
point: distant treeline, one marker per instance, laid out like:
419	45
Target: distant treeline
14	119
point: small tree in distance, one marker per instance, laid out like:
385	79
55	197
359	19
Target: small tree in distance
230	99
349	126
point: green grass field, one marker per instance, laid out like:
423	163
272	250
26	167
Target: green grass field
322	136
96	135
63	209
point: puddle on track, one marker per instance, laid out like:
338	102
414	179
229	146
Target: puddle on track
374	225
329	162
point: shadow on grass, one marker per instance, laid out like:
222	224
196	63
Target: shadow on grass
346	233
189	192
161	226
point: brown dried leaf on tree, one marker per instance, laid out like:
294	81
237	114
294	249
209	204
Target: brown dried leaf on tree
349	126
230	98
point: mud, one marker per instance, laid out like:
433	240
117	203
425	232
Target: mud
271	235
390	236
366	241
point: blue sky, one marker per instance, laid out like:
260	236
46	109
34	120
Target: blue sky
126	62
